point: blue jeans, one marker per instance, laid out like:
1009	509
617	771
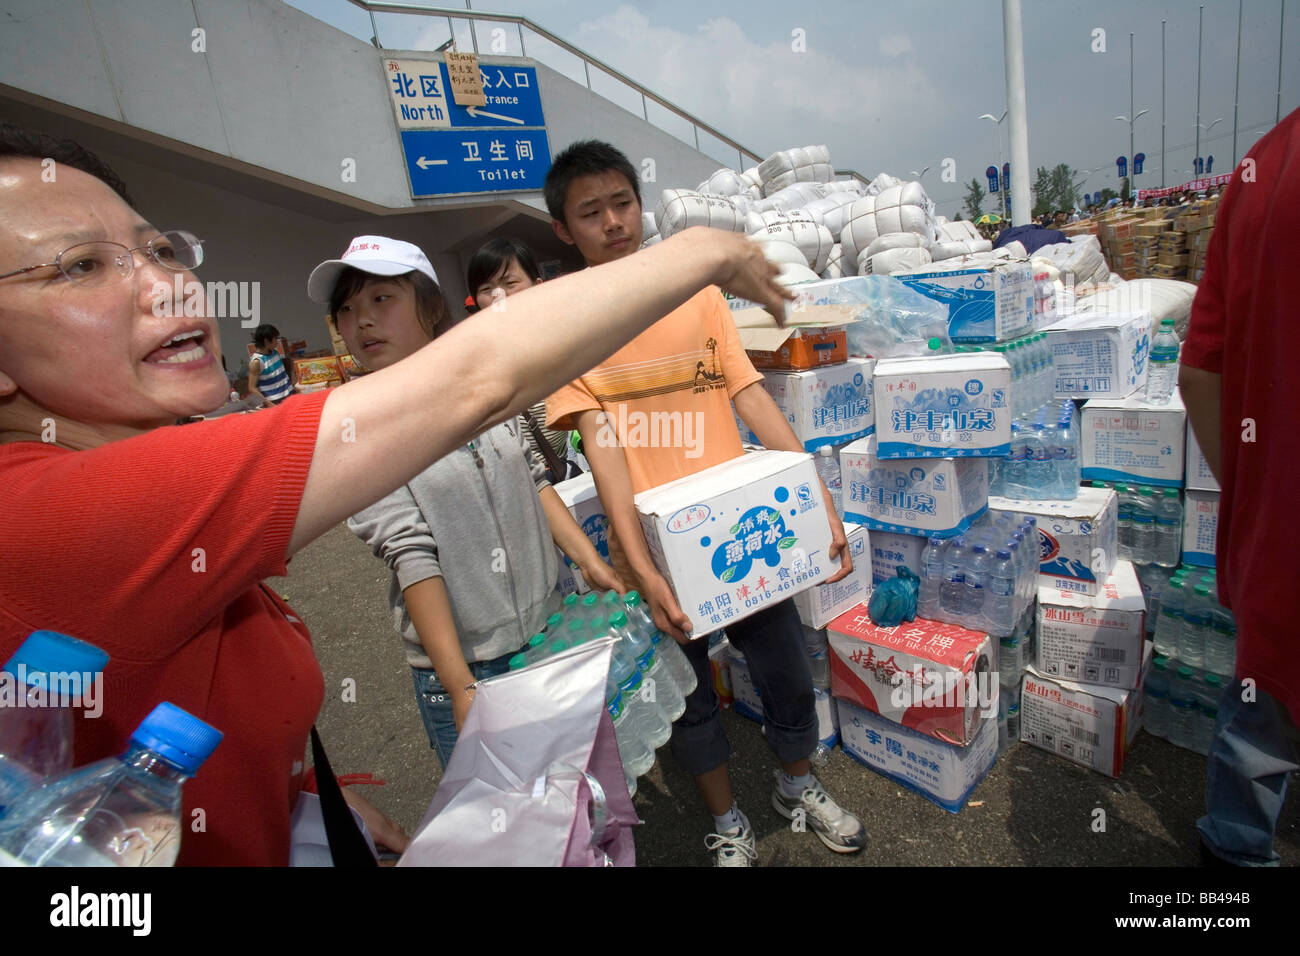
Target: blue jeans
1256	745
435	703
772	642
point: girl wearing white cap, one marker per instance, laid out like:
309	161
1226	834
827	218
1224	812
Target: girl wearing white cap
471	539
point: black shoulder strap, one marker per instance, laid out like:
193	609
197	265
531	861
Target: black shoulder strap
544	446
348	847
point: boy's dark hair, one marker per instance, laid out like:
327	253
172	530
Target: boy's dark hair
495	257
430	307
264	335
589	157
20	142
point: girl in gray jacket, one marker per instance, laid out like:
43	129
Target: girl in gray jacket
471	540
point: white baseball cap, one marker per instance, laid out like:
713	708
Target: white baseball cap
377	255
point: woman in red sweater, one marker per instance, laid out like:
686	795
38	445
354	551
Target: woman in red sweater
152	541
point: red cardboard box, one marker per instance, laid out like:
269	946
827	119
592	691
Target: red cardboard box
933	677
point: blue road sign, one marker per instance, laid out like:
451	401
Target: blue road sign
513	99
444	162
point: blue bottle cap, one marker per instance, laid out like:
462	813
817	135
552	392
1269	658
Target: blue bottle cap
179	738
1004	554
49	652
980	549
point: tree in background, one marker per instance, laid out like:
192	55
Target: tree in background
1124	188
1041	190
1054	189
1106	195
974	200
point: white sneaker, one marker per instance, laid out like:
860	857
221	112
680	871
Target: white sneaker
840	830
733	848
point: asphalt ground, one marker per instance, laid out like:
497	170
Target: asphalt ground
1033	808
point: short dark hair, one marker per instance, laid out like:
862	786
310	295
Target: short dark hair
264	334
589	157
430	307
494	257
28	144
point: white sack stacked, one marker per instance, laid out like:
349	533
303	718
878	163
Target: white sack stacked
725	182
904	208
894	253
811	164
680	209
810	238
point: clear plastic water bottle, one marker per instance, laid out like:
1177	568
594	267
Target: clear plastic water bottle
1182	703
1002	593
1169	528
952	593
1124	529
1039	472
1196	624
977	584
659	680
633	751
1010	662
638	616
55	674
645	715
1169	627
819	655
1162	372
828	470
1207	712
1015	470
1155	711
927	595
1221	642
1013	724
1144	527
123	811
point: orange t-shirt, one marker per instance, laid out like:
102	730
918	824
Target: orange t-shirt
666	395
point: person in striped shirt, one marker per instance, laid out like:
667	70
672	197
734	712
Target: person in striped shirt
268	374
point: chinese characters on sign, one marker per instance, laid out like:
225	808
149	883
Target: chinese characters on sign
466	79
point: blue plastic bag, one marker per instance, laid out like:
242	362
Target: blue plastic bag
894	601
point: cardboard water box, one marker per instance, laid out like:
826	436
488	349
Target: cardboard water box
1132	440
923	496
1196	472
746	699
828	717
1086	724
1077	540
740	536
820	605
987	302
943	773
935	678
813	335
890	551
947	406
824	406
1096	639
580	497
1100	355
1200	527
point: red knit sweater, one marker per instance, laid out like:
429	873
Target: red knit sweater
153	549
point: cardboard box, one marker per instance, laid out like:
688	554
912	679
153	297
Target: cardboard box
813	336
1077	540
1200	527
740	536
1086	724
943	773
1169	272
746	699
1196	471
1132	440
935	678
1095	639
820	605
891	550
824	406
1102	355
926	496
318	371
945	406
986	303
1151	229
1166	258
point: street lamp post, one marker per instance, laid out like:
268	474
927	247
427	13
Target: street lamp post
997	121
1202	126
1125	119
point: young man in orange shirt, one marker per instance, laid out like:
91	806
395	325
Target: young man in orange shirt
687	369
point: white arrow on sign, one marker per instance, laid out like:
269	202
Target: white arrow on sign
426	163
477	112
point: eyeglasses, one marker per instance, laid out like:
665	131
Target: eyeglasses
90	263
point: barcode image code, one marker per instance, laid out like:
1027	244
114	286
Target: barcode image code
1081	735
1114	654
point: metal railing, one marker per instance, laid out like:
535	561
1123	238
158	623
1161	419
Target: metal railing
588	61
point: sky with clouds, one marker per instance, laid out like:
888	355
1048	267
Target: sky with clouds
899	86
